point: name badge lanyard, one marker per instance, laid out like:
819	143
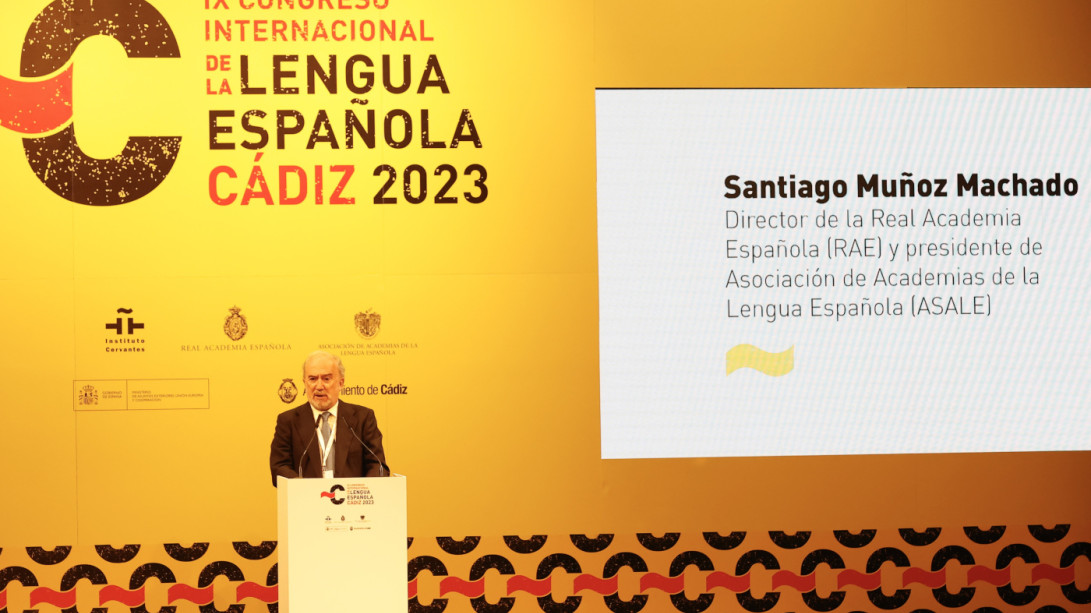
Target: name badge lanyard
326	445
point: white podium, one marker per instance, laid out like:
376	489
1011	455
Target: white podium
342	545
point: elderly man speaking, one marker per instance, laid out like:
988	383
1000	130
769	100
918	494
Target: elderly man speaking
326	437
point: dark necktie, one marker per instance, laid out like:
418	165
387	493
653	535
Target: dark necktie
326	433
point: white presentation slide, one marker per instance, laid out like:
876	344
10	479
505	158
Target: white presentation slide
829	272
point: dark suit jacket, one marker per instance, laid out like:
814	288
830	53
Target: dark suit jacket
294	451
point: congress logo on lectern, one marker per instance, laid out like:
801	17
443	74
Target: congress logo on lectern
334	495
367	323
356	494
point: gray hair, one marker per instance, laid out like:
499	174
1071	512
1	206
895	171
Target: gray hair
324	354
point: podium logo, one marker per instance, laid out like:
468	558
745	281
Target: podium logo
40	101
335	494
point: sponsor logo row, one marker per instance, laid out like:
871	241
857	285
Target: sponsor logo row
125	329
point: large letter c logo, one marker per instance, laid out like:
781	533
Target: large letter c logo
57	160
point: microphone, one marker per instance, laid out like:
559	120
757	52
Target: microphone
363	443
306	448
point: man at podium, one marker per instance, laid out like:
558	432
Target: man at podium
325	437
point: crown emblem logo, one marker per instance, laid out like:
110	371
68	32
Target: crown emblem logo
287	391
88	395
367	323
235	324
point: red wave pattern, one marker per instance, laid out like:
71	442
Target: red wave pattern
458	585
931	579
868	581
595	584
116	593
731	582
181	591
265	593
35	107
61	600
988	575
788	578
1057	575
655	581
543	587
534	587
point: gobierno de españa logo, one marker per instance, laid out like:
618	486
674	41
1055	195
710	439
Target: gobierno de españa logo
41	101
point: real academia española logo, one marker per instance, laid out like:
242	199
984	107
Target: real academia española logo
40	101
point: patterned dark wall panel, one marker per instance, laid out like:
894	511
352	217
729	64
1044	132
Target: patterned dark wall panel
980	569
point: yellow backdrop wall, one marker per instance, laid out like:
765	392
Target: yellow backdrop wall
488	309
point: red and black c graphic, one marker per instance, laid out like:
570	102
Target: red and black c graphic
57	159
334	495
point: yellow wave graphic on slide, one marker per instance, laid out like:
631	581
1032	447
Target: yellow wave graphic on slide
772	364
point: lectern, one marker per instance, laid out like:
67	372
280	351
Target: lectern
342	545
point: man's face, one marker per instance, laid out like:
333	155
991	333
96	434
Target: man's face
323	382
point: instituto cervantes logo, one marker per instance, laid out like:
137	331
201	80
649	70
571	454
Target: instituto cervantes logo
287	391
39	104
235	324
88	395
124	338
367	323
128	326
